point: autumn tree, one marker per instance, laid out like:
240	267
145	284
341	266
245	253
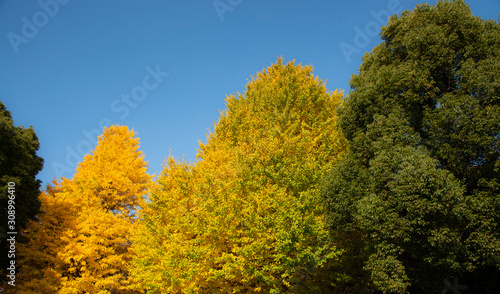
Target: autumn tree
246	216
416	197
19	165
80	243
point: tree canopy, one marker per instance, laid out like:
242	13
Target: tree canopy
80	242
19	164
420	182
394	188
247	216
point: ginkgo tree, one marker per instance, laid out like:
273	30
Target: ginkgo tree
246	216
80	243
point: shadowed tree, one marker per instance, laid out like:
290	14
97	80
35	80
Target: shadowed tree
19	164
419	189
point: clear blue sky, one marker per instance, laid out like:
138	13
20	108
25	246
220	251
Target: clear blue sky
165	67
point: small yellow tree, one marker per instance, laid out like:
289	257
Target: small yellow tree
80	243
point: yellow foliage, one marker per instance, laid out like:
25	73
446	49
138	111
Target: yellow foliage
80	243
246	216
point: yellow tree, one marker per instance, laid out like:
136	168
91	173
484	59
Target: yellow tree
40	266
80	243
247	216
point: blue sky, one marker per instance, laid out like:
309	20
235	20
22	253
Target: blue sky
67	67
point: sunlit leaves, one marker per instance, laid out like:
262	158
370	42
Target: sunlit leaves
80	243
246	216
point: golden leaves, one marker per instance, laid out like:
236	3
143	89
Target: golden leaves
81	240
244	217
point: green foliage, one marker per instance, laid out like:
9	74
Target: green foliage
19	163
247	216
419	185
275	203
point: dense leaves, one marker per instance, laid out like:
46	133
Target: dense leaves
19	164
419	184
275	201
80	242
247	216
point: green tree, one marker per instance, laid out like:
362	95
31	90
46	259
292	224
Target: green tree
417	196
19	164
247	217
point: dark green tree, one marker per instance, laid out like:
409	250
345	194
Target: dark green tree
19	164
417	196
